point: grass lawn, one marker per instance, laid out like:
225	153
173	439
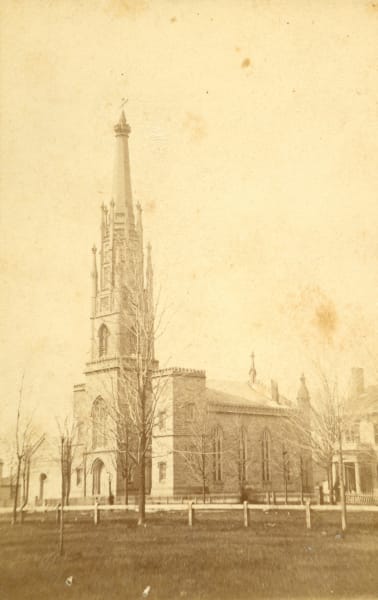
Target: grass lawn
276	557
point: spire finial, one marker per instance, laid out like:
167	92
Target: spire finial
122	127
252	370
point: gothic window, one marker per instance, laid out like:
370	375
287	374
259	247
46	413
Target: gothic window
162	417
286	465
189	412
162	471
103	335
217	454
242	454
79	476
98	423
265	456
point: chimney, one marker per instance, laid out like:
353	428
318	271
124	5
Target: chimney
357	386
274	392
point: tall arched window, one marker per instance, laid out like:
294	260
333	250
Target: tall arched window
242	454
98	423
217	453
103	334
265	456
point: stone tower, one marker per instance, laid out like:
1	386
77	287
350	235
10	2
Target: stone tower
122	299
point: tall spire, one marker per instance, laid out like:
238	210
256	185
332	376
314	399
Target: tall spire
122	194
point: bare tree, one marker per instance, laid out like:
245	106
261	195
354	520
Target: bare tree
202	447
134	395
324	437
66	455
24	434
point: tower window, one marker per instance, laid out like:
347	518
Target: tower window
103	335
98	423
106	279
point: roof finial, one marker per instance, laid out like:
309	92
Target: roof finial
252	370
303	393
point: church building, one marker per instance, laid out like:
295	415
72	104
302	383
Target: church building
209	438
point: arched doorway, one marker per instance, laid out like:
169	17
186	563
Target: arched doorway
42	479
98	471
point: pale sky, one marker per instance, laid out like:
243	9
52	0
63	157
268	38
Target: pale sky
254	155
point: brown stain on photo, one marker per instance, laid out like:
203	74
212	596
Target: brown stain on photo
326	319
150	206
126	8
246	63
195	126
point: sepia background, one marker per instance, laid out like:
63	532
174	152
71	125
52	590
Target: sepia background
253	154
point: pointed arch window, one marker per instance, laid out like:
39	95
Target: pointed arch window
242	454
217	454
103	336
265	456
98	423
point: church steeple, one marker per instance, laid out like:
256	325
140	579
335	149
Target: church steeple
123	286
122	194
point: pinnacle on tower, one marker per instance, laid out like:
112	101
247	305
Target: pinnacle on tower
303	393
252	370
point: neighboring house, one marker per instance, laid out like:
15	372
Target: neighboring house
360	437
7	487
249	436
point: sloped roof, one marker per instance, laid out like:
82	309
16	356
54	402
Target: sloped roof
240	393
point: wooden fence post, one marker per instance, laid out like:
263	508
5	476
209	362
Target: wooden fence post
245	510
190	514
308	514
96	514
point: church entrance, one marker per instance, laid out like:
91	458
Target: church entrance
98	472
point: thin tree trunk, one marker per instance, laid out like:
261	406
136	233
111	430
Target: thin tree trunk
25	499
342	485
301	478
330	485
61	530
126	489
15	502
142	489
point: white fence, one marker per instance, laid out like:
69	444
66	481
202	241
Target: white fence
192	509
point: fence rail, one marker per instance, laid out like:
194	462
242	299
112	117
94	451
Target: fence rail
183	507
